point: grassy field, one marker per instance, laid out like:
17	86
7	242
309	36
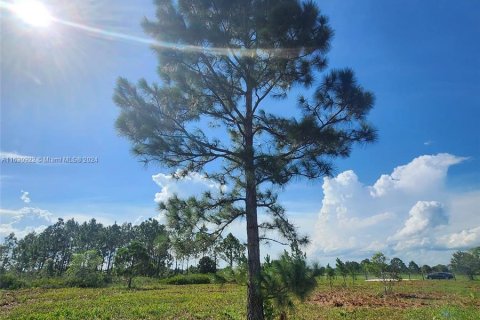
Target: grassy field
437	299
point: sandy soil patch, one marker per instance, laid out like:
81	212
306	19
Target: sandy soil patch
345	298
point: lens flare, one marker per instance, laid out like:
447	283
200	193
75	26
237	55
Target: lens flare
36	14
32	12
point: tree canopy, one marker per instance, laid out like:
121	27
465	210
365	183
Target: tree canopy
231	250
467	262
219	62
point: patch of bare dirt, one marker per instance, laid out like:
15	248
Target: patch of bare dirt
345	298
7	301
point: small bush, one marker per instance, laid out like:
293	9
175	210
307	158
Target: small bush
188	279
144	282
86	280
49	283
108	278
228	275
317	270
218	279
11	282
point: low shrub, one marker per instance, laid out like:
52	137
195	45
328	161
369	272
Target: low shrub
11	282
218	279
49	282
86	280
228	274
237	275
142	282
188	279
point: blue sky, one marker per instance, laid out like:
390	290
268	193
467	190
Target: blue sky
419	58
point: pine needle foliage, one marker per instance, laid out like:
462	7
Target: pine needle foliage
222	64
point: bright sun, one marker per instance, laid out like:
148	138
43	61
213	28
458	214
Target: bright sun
32	12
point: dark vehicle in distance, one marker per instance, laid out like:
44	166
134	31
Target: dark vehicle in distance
440	275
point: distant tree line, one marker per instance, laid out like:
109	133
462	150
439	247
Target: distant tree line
149	249
89	252
379	266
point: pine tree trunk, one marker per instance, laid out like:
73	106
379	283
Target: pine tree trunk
159	262
255	302
254	299
109	262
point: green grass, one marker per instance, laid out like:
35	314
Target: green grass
437	299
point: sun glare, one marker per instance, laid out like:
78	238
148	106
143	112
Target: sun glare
32	12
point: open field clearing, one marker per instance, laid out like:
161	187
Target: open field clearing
411	300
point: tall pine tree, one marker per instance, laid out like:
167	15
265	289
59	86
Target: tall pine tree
219	60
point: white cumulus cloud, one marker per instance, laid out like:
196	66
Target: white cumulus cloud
410	208
190	185
25	196
423	175
25	212
463	239
424	216
24	220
